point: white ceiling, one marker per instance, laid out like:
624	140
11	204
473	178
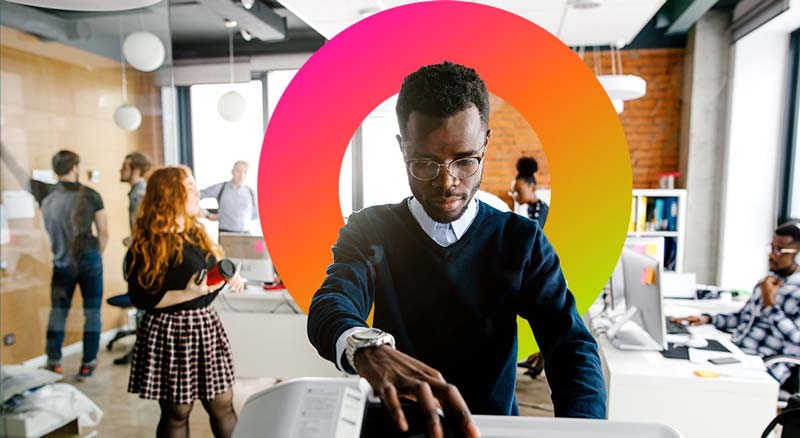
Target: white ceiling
613	22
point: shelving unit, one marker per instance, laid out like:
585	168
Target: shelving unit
670	239
646	230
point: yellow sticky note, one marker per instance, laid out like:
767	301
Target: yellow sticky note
651	249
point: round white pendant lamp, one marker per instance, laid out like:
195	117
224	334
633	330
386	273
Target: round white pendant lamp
623	87
231	105
128	117
88	5
620	86
144	51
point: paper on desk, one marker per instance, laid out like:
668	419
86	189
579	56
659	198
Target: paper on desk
750	365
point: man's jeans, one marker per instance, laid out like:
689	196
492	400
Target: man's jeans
88	273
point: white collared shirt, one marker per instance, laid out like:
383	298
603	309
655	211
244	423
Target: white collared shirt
443	234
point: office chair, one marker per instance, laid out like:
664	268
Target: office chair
124	302
792	385
789	418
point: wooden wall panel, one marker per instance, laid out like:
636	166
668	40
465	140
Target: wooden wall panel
55	97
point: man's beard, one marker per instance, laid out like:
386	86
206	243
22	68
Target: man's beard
785	272
448	219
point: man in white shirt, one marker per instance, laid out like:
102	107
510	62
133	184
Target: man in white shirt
237	202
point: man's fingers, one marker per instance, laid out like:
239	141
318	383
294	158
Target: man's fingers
392	403
428	404
456	411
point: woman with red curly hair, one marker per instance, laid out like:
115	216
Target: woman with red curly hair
182	352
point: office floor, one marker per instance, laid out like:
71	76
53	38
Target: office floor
128	416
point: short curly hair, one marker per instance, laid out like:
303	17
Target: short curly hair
442	90
791	229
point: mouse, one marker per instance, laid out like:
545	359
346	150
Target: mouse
694	342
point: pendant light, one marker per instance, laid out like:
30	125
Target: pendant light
144	51
231	105
620	86
126	116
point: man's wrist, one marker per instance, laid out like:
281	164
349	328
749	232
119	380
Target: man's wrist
365	339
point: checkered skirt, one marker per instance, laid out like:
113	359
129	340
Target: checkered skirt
181	356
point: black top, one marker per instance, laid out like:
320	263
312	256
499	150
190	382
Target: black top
538	212
455	308
194	260
68	212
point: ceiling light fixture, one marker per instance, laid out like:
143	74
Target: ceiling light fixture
619	87
144	51
366	12
248	3
231	105
126	116
230	24
585	4
246	35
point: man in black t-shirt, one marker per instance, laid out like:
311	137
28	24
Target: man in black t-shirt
69	211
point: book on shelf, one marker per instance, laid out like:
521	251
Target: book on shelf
672	214
659	218
632	223
641	214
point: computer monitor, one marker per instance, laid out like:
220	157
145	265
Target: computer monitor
250	254
643	291
616	287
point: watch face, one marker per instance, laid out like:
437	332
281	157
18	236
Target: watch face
368	335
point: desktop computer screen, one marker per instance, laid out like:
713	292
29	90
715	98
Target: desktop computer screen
642	275
616	287
250	254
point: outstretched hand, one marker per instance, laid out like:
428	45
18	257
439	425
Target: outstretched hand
393	374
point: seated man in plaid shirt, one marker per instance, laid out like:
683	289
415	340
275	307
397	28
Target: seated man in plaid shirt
769	323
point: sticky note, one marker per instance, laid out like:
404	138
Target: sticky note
259	246
639	248
648	276
706	374
651	249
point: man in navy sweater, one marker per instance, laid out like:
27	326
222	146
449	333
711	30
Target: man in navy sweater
448	275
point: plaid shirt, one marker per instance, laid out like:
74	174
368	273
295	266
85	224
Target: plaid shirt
768	331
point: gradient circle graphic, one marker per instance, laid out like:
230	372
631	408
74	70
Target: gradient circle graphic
521	63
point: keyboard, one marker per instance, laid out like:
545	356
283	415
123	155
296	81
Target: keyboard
674	328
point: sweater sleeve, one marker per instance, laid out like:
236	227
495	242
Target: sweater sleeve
570	352
345	298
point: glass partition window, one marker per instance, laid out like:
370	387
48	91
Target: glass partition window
218	143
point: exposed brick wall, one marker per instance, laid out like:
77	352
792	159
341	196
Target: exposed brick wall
651	124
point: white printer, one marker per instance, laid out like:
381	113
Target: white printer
345	408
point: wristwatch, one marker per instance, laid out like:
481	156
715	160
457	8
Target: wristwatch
366	338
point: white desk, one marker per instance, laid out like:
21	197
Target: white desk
268	336
645	386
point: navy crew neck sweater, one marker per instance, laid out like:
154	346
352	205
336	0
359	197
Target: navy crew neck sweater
455	308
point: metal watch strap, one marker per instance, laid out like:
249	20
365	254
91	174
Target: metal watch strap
351	348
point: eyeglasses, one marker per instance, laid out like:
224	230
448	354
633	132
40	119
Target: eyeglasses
780	251
428	170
